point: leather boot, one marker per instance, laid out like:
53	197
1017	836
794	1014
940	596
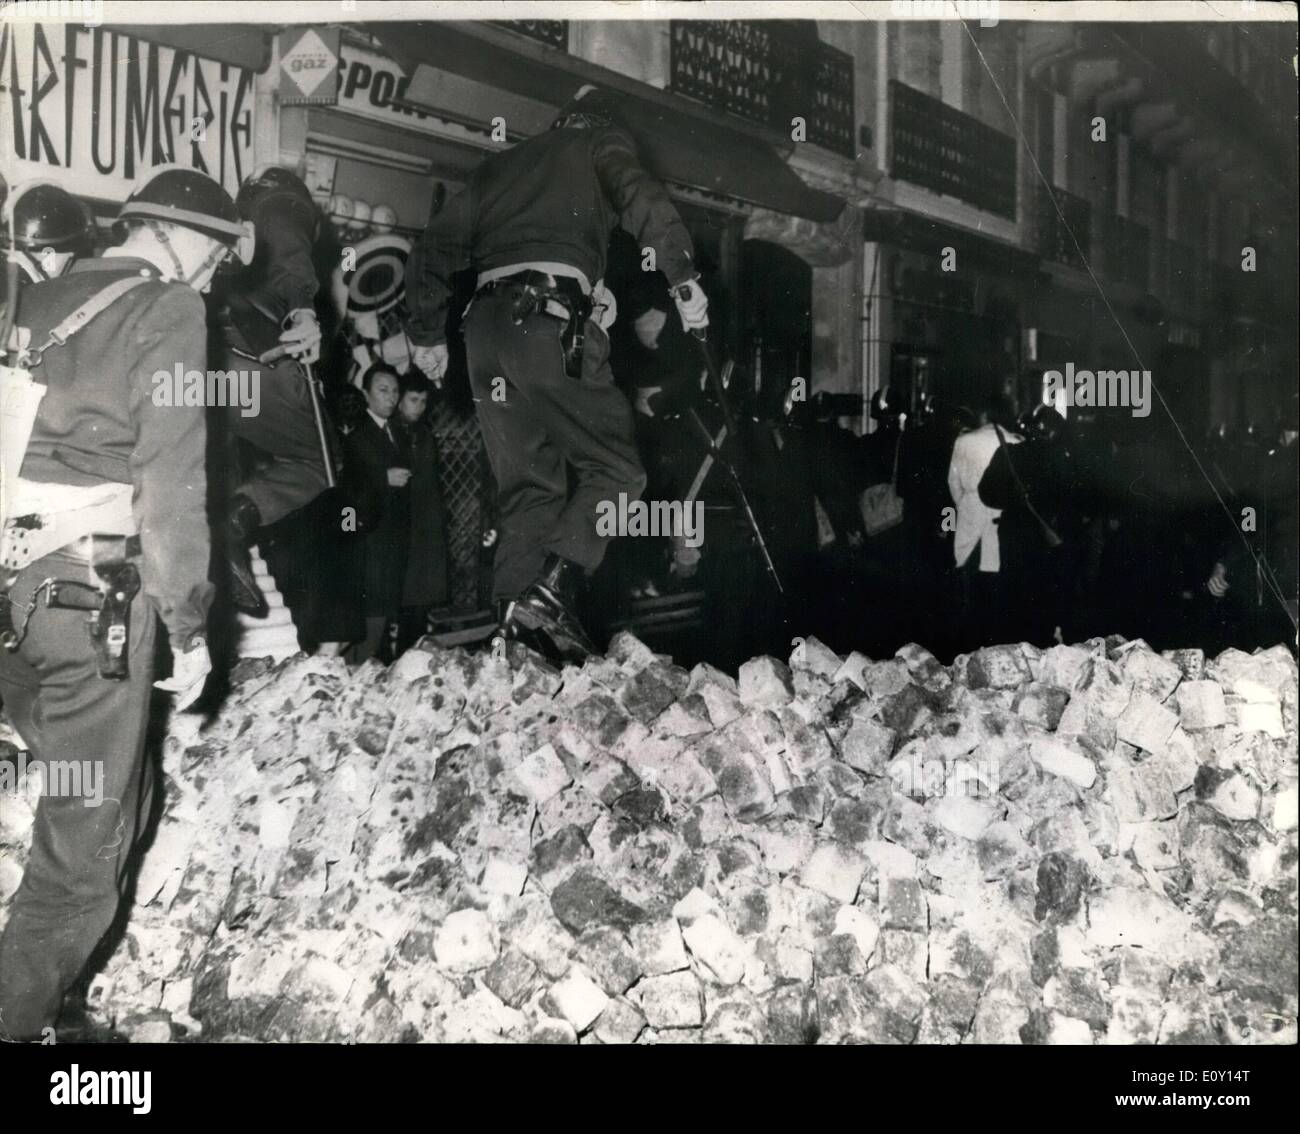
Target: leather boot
511	631
241	523
548	606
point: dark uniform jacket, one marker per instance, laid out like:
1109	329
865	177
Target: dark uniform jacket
556	197
99	420
282	276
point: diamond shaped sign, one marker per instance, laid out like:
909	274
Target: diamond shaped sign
309	62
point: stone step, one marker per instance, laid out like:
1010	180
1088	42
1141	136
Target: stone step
275	635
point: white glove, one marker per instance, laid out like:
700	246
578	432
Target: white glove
431	361
189	671
643	396
686	560
604	308
692	305
302	335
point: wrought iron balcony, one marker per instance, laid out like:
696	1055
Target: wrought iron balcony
940	148
552	32
1126	252
766	72
1055	228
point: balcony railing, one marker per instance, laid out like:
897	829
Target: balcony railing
940	148
552	32
756	70
1126	252
1055	228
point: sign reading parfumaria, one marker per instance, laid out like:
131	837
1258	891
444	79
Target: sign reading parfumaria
94	109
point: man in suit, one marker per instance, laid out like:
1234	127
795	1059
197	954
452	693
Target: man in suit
376	478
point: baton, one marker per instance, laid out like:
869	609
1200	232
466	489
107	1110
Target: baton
321	433
719	392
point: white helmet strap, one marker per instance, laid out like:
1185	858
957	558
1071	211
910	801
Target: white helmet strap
214	256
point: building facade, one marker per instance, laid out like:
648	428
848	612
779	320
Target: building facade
936	206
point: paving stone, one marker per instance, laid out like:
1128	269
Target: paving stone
658	947
765	682
711	941
579	999
1145	723
835	871
1201	705
465	941
670	1001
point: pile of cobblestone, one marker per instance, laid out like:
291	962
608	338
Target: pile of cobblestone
1087	844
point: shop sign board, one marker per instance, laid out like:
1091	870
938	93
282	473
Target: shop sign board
93	109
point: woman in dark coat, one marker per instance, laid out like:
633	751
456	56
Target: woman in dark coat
425	583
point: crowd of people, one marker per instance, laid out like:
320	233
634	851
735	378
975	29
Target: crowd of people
1001	527
131	503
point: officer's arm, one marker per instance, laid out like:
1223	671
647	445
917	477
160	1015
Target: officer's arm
644	207
442	250
167	466
285	228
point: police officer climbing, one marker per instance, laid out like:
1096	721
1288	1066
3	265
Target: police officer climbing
534	222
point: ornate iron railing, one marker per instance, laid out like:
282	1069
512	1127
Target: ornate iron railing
1055	227
940	148
754	69
552	32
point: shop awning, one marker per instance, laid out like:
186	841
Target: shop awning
906	229
690	145
246	46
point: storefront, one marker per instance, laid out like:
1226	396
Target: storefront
92	108
946	309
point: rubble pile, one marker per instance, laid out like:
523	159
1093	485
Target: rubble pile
1086	844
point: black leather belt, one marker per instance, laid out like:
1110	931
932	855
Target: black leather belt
563	286
561	297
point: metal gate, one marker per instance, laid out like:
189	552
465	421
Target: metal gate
469	492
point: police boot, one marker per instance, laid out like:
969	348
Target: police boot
547	606
509	631
242	522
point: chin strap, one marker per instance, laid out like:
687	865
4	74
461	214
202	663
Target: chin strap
211	260
31	265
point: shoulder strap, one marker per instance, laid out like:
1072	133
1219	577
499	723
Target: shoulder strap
95	305
1053	540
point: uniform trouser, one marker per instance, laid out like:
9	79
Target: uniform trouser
284	428
65	711
537	423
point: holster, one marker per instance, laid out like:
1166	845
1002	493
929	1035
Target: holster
109	604
560	297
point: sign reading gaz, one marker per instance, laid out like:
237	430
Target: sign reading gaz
93	109
309	63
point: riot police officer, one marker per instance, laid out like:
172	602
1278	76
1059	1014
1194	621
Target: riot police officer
535	222
45	228
105	531
269	321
